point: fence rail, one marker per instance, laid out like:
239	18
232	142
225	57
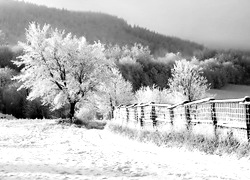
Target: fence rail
207	116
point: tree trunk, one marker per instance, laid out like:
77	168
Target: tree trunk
112	112
72	111
112	109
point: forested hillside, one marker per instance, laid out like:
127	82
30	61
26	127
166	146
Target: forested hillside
15	17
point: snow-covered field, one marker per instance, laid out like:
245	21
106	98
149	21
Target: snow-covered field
41	149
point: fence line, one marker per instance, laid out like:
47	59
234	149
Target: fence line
207	116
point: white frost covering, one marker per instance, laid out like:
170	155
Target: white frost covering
60	68
39	149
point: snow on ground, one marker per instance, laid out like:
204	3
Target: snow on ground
41	149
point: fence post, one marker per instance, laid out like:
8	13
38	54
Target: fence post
142	116
127	113
171	113
248	120
187	114
135	114
153	114
214	119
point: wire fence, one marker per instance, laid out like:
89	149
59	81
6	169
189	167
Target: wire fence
209	117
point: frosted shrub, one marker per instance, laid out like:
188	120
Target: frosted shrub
153	94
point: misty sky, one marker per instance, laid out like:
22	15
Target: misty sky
214	23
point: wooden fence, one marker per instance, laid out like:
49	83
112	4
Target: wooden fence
207	116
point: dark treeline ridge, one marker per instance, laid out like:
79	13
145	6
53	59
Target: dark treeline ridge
16	15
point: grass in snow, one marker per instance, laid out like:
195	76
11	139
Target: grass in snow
228	145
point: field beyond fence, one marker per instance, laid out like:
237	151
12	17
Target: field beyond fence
209	117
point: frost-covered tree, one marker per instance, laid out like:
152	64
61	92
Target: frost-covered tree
133	62
61	69
187	81
119	89
116	92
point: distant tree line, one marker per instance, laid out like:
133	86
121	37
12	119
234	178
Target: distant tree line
223	67
219	67
159	44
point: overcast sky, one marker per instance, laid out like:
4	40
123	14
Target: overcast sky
214	23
